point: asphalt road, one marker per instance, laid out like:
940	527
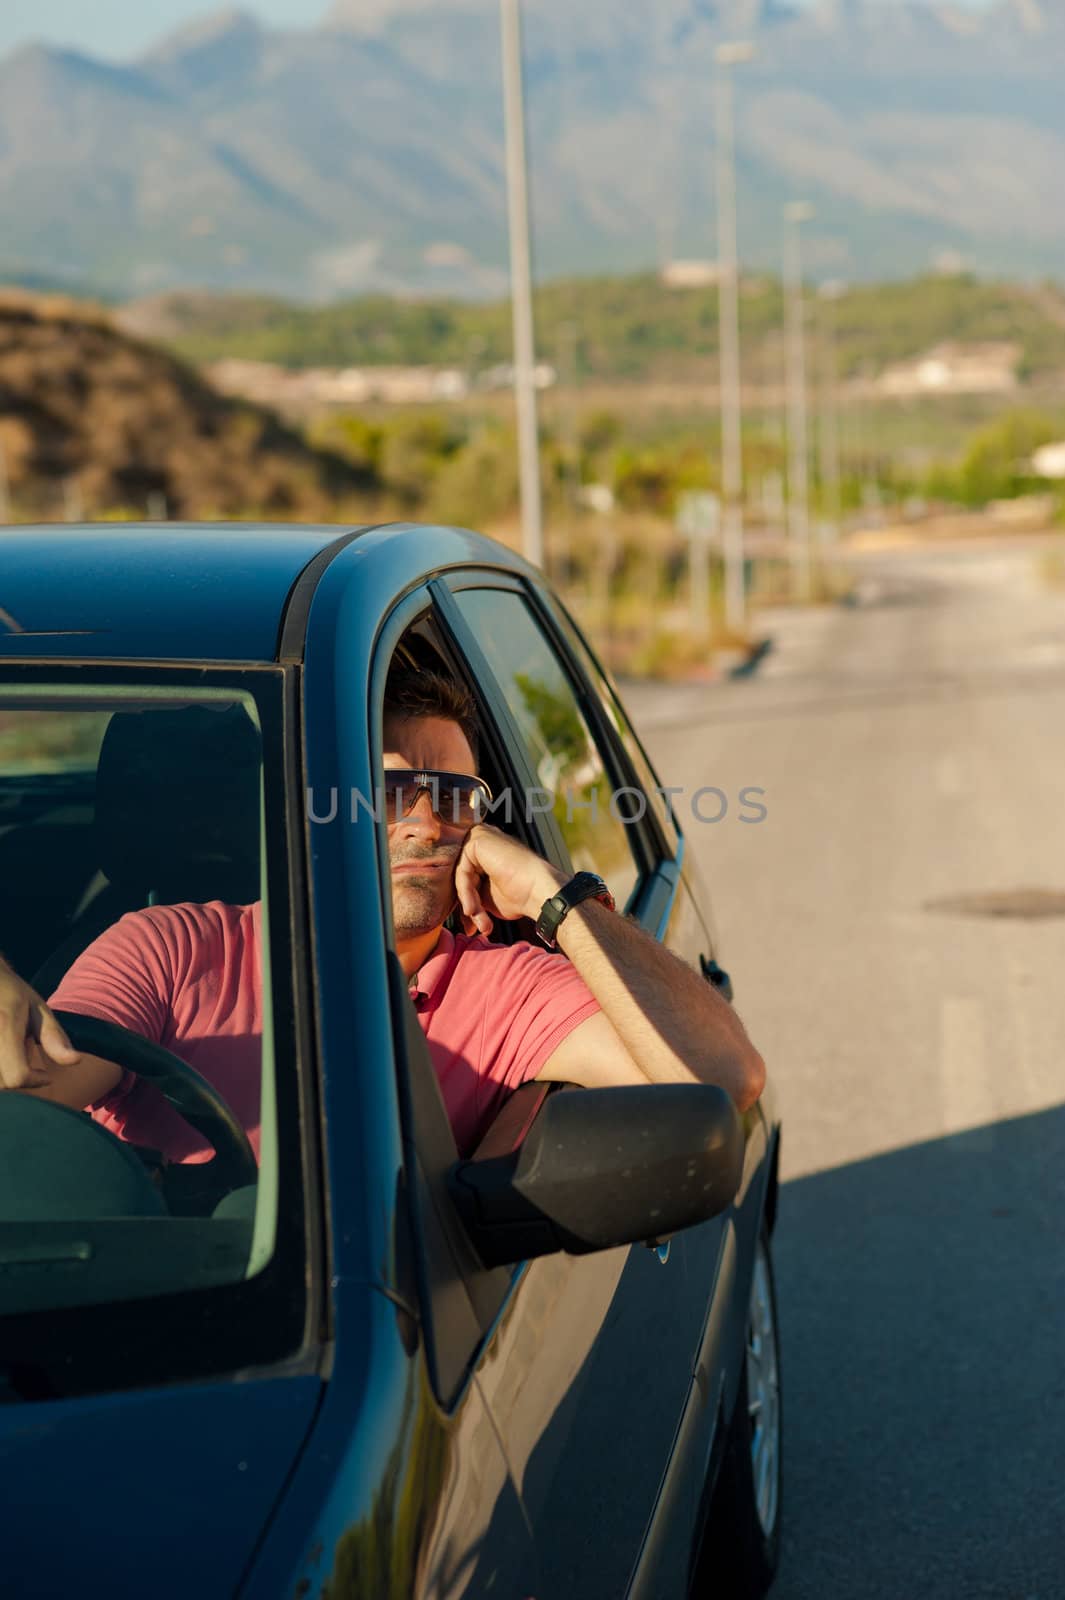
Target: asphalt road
910	748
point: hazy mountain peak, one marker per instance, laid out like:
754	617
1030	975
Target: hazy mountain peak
228	26
370	15
234	155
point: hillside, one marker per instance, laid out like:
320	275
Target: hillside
92	421
365	153
625	328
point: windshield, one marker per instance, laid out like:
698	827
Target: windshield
134	857
36	742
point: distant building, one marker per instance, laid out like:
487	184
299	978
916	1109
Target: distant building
596	497
501	376
689	274
319	388
1049	461
950	369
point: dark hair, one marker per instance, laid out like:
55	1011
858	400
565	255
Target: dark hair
410	694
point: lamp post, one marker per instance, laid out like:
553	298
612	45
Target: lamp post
828	433
795	215
532	531
728	56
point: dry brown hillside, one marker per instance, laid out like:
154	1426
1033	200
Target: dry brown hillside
92	421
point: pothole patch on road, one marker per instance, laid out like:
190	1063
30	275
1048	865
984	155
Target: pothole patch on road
1027	904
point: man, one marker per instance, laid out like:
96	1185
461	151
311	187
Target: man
610	1006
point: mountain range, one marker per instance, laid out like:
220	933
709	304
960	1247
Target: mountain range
365	153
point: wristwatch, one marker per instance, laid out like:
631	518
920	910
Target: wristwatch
585	886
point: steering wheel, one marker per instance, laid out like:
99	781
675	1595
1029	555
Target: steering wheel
180	1085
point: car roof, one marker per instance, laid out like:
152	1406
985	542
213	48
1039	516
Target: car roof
195	591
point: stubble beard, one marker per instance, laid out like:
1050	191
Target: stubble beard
420	904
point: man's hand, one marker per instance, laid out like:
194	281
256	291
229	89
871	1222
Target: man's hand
497	876
31	1041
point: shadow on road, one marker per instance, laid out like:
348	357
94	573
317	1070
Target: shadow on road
922	1299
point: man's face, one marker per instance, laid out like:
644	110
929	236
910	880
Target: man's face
422	849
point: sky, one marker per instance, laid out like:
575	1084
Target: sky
121	28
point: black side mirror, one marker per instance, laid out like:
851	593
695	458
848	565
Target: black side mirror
604	1167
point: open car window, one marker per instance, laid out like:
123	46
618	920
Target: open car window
573	776
141	843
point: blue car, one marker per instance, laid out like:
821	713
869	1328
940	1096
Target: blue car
330	1353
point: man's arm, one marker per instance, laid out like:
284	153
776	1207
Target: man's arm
36	1056
658	1015
670	1021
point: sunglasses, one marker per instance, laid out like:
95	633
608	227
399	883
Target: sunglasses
455	797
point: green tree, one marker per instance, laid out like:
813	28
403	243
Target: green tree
997	465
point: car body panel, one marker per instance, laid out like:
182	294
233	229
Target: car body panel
394	1497
123	591
201	1466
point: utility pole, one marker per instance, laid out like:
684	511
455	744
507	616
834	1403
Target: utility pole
795	215
829	294
727	56
569	437
532	531
569	450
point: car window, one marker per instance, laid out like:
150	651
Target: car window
616	715
133	870
567	765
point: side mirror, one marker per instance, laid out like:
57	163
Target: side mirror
604	1167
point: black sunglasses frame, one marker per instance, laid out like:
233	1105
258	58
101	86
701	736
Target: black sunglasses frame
437	785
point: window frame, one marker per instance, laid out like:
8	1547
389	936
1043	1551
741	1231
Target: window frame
279	1315
647	854
605	690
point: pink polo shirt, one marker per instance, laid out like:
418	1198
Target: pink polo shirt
189	977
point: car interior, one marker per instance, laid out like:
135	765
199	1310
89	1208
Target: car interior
170	812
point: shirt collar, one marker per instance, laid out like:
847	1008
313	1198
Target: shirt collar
425	982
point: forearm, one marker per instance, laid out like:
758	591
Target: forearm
673	1023
77	1086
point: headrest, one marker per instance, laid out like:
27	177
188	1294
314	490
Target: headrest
177	803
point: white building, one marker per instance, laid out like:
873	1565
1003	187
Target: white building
689	274
949	369
1049	461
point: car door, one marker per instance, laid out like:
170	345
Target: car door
590	1374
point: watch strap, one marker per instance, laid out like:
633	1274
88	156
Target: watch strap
583	886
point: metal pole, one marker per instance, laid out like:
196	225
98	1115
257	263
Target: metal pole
699	577
521	286
5	499
798	478
568	434
830	476
729	345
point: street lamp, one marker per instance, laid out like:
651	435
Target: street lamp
728	56
521	286
828	434
795	215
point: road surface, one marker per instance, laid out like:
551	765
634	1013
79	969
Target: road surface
911	748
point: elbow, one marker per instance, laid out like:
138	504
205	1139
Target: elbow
750	1080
